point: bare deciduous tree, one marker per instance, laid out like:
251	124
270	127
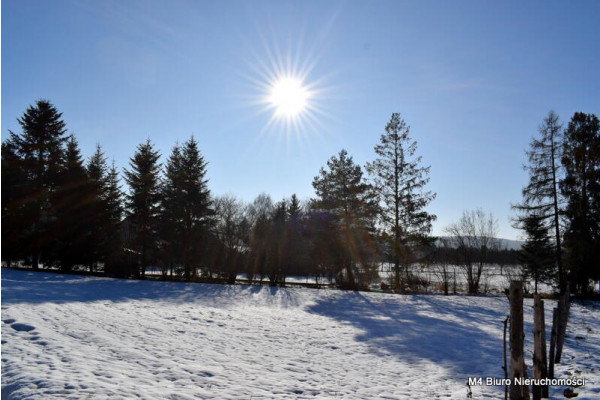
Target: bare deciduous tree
232	229
474	235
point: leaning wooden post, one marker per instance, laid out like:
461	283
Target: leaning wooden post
553	343
539	348
517	335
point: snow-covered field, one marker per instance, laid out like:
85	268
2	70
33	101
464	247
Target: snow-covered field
74	337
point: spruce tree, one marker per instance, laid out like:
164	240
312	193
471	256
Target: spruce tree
342	191
143	201
40	151
294	208
106	198
97	174
186	212
400	181
73	212
537	254
541	195
13	228
113	214
581	189
197	206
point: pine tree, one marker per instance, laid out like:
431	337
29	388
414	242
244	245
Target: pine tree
294	208
342	191
40	150
186	212
537	254
197	206
581	189
73	212
13	228
541	196
400	181
143	201
113	214
172	211
97	173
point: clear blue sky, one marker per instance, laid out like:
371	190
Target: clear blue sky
473	79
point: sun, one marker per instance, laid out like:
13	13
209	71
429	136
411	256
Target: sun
289	97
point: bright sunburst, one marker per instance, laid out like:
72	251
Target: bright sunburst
289	97
284	85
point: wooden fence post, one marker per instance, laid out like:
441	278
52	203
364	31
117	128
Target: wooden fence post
517	360
540	369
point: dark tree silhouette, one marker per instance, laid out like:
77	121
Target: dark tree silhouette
40	151
113	212
97	174
186	213
342	191
143	202
13	222
75	206
537	254
581	189
232	230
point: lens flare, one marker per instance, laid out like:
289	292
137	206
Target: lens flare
289	97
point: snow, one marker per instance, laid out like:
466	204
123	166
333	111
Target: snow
73	337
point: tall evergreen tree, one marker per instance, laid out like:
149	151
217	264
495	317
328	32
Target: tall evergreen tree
171	211
40	150
13	227
399	180
294	208
143	201
541	196
106	200
113	213
186	206
97	170
296	246
73	212
342	191
537	254
581	189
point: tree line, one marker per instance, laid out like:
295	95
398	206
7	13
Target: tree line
61	211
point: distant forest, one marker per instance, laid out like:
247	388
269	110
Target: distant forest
64	212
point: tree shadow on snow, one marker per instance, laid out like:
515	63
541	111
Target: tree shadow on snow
421	329
39	287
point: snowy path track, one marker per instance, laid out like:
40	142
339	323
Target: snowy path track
77	337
